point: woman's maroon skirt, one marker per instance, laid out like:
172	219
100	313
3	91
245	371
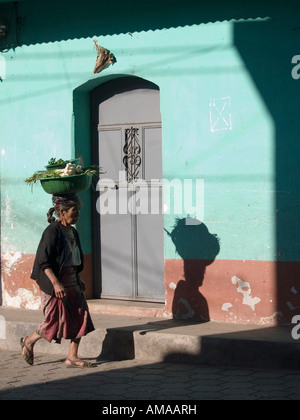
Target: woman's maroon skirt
68	318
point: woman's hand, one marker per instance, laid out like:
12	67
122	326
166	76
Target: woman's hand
59	289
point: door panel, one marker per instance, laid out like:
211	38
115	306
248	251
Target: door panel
150	255
131	106
152	153
110	151
130	152
116	252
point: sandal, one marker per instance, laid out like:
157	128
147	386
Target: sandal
29	357
74	365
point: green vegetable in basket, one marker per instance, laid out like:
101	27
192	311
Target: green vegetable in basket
53	161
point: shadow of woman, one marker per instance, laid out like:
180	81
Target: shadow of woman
198	248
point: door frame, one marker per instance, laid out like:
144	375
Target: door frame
119	84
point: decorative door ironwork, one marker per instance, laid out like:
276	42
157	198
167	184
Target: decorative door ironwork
132	154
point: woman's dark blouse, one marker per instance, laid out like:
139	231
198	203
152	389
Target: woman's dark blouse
51	254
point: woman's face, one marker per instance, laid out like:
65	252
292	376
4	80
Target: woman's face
71	216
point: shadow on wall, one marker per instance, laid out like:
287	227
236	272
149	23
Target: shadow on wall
267	49
198	248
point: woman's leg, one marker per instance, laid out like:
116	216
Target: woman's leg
73	359
73	353
27	348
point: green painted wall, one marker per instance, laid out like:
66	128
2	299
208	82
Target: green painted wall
250	163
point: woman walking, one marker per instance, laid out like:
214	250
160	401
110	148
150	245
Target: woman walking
58	262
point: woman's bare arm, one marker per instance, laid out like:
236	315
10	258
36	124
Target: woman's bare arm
59	289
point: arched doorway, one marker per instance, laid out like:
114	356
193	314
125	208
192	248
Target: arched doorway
128	234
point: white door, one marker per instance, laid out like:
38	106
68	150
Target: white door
130	192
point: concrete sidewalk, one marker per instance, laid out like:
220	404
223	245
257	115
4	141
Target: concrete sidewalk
155	339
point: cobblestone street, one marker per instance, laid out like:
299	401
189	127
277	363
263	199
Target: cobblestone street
137	380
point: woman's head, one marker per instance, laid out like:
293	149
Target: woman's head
66	208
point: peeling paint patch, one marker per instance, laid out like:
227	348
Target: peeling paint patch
294	290
291	306
23	299
189	311
270	319
226	307
245	289
10	260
